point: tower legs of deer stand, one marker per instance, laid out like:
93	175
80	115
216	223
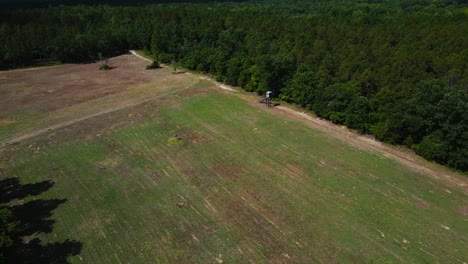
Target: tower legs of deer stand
268	98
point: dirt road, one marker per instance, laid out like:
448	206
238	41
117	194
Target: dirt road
28	135
139	56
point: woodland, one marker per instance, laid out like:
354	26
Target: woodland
393	69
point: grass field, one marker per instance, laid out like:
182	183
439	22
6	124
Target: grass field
239	184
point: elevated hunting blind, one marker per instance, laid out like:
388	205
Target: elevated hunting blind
267	99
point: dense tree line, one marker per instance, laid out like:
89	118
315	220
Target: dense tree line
394	69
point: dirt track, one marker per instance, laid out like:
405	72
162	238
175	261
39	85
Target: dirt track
28	135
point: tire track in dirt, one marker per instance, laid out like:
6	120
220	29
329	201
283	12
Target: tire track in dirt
139	56
25	136
21	136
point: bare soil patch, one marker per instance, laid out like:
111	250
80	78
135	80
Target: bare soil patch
53	98
423	205
42	90
463	210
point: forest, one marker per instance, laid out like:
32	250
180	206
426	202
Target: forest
393	69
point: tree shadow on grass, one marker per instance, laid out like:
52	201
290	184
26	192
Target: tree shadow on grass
35	252
11	189
35	216
28	220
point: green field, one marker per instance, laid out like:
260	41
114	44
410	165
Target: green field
238	185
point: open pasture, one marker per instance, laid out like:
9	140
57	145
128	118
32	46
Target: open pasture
237	185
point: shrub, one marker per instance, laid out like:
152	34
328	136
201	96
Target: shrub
154	65
104	67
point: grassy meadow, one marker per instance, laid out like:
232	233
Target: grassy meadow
237	185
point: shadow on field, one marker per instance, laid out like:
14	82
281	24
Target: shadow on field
19	222
11	189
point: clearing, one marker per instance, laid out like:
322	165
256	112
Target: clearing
242	183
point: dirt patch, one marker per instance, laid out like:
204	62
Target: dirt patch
190	172
225	170
423	205
218	84
49	89
371	176
124	169
463	210
190	137
293	171
87	101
